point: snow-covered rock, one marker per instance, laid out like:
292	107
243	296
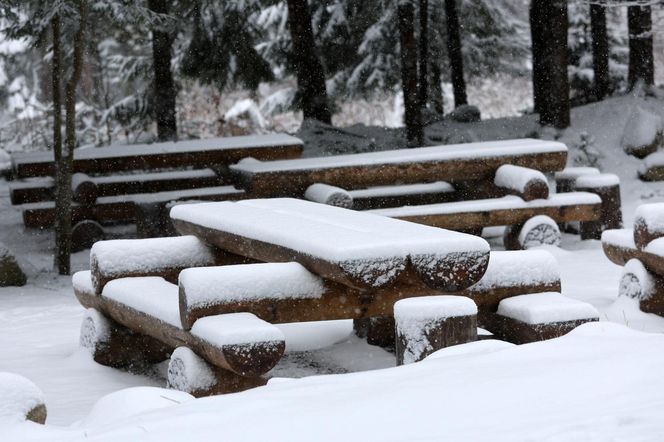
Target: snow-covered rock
246	114
20	399
642	134
465	114
10	272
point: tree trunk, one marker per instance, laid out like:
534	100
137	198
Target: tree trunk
63	205
424	53
550	83
436	95
164	86
641	65
413	111
600	42
309	69
454	51
61	257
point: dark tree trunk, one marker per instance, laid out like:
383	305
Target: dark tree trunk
413	109
436	95
454	51
63	203
641	65
164	86
600	42
61	255
550	83
309	69
424	53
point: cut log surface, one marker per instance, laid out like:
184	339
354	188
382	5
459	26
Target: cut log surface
84	234
648	224
84	190
379	197
509	210
537	231
330	195
528	184
122	209
149	306
213	152
453	163
356	249
287	292
163	257
42	189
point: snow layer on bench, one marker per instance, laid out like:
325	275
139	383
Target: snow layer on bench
655	247
331	233
518	268
652	215
18	396
597	181
402	190
173	195
249	282
156	176
517	177
431	308
509	202
575	172
151	295
235	329
619	237
653	160
119	256
35	183
450	152
546	308
210	144
82	281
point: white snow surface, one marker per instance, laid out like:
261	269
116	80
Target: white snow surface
596	181
491	149
503	203
18	396
247	282
642	129
656	247
308	227
82	281
620	237
151	295
326	194
235	329
517	177
189	372
118	256
545	308
5	161
403	189
535	267
576	172
655	159
651	215
430	308
635	281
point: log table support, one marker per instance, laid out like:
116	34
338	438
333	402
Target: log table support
607	187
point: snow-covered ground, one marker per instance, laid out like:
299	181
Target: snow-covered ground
601	382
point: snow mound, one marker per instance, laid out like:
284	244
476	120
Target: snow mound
642	134
471	348
18	396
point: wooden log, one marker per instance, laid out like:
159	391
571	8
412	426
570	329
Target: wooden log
368	252
648	288
287	292
528	184
428	324
377	330
20	399
114	345
607	187
330	195
84	234
619	247
379	197
113	185
163	257
149	306
453	163
537	317
193	153
190	373
648	224
565	179
537	231
121	209
509	210
84	190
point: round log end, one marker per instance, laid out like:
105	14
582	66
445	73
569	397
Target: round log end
451	272
84	190
636	281
253	360
535	190
85	233
189	373
537	231
375	273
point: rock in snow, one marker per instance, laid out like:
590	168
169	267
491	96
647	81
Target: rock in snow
642	134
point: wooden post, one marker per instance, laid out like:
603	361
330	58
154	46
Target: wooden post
425	325
528	184
607	186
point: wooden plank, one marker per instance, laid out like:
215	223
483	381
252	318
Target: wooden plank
620	252
380	197
117	209
43	189
367	251
510	210
214	153
452	163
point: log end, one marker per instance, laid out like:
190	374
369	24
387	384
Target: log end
451	272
